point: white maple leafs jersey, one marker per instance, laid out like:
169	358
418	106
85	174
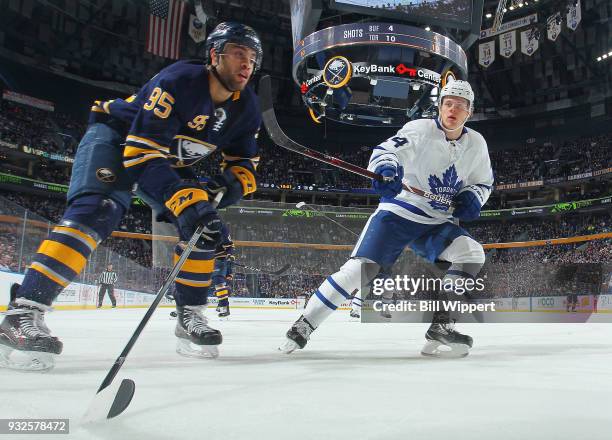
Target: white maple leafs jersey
434	164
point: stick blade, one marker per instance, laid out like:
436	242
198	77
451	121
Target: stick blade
110	402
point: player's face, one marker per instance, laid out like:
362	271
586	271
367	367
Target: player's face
454	111
235	65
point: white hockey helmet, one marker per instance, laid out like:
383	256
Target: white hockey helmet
459	88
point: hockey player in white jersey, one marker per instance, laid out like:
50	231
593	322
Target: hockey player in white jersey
440	156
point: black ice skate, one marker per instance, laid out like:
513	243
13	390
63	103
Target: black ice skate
25	340
386	301
195	337
355	314
385	313
297	336
444	341
223	309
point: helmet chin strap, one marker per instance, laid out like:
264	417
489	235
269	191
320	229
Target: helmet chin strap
453	129
213	69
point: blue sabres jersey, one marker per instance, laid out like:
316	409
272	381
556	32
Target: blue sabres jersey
173	122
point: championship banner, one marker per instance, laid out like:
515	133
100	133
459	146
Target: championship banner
553	26
574	15
509	26
507	44
197	29
486	53
529	41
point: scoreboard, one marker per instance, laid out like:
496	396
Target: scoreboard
377	73
381	34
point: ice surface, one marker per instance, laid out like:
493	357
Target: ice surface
353	381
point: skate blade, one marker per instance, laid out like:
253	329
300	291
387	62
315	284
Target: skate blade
288	347
26	360
187	349
439	350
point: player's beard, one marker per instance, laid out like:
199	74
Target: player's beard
232	81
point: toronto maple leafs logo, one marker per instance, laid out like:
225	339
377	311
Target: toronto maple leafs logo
447	187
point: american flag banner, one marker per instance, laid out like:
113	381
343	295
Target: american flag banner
165	27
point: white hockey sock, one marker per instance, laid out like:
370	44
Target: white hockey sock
326	299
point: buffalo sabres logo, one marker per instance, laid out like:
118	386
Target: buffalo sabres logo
190	150
448	77
337	72
105	175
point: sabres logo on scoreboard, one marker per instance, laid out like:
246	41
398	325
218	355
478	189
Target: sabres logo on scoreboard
447	77
337	72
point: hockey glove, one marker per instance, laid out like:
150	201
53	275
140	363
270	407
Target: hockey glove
392	183
190	206
467	206
231	188
237	180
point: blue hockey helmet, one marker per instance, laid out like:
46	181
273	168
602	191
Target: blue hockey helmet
236	33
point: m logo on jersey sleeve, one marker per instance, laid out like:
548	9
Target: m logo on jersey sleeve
448	187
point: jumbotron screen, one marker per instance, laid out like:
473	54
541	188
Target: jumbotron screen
458	11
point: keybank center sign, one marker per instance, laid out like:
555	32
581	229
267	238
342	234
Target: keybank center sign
415	73
362	69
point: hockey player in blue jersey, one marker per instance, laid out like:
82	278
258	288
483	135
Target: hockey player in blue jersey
223	273
187	111
439	156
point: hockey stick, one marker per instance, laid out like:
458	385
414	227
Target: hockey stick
282	140
112	399
278	272
300	205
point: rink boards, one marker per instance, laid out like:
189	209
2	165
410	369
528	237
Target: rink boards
79	296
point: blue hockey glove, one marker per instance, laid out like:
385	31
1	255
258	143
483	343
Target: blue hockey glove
190	206
392	185
232	190
467	206
236	181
